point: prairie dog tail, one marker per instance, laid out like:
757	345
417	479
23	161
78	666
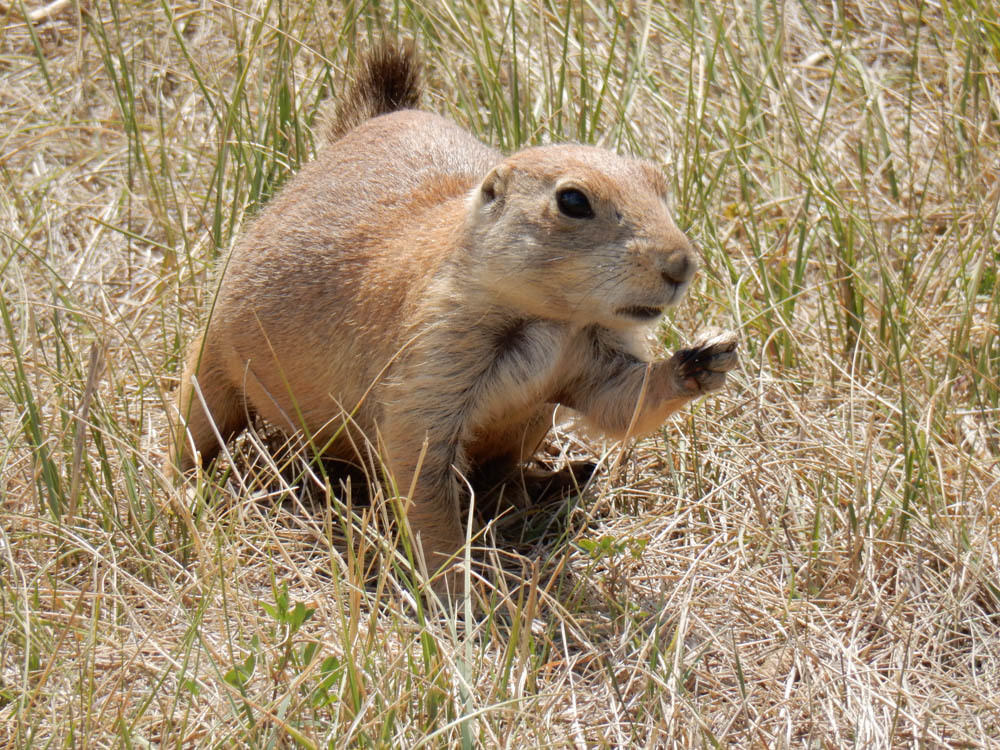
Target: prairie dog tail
387	80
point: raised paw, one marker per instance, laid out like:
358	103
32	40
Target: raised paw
702	367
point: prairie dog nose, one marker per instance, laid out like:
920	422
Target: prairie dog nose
677	265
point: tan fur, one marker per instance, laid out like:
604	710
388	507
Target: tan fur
423	288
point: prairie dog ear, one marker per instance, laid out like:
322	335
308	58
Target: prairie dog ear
656	179
494	187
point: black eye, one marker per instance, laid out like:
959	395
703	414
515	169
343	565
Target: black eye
574	204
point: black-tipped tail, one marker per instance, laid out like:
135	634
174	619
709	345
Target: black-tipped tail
387	80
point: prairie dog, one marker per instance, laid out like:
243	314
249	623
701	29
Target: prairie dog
412	286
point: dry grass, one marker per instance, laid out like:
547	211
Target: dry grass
809	559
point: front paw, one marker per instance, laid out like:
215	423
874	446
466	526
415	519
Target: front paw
702	367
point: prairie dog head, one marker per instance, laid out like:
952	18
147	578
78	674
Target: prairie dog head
579	234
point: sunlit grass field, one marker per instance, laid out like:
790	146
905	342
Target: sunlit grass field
809	559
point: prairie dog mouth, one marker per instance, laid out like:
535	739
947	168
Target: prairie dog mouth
640	312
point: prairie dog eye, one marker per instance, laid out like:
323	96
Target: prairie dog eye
574	203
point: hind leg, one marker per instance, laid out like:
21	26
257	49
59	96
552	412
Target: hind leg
194	429
500	477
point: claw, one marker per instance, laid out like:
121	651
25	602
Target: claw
704	365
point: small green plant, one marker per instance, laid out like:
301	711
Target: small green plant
607	547
288	620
